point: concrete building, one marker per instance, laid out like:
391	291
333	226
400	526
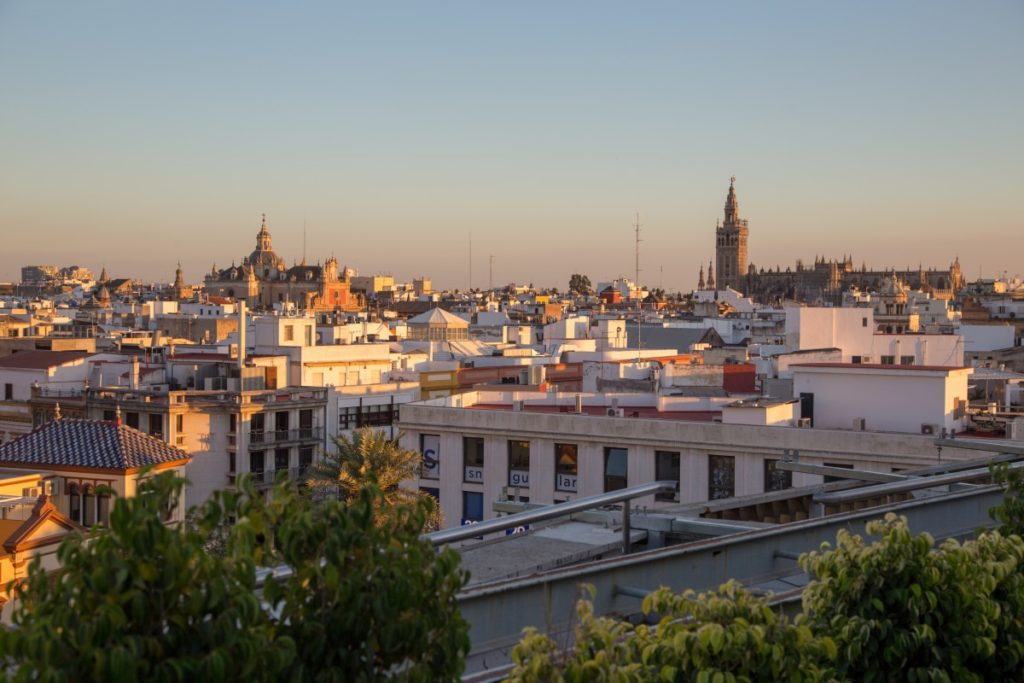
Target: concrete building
264	279
912	399
480	447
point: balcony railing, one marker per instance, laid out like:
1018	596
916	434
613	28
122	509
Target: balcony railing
283	435
268	477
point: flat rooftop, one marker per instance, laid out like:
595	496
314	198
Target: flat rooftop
646	412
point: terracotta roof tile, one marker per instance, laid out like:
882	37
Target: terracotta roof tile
94	444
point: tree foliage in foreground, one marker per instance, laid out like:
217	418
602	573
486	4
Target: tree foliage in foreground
895	609
730	635
143	601
901	609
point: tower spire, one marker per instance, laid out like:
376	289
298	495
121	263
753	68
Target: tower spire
732	205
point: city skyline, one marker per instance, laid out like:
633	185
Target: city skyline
135	138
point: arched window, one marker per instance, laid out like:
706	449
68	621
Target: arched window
88	506
103	508
74	503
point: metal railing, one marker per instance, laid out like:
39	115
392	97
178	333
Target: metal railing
268	477
565	509
281	435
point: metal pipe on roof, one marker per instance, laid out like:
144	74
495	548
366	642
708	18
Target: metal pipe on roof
464	533
990	445
910	484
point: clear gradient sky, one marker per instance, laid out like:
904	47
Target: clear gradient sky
139	134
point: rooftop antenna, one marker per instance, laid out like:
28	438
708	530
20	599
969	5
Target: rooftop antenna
303	240
490	273
470	287
639	301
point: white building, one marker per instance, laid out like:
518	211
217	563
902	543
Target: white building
480	447
910	399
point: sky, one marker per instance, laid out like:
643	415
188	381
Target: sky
136	135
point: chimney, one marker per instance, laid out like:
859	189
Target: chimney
241	335
133	374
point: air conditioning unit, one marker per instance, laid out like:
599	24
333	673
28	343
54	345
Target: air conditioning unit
867	359
804	423
612	412
859	424
929	429
517	406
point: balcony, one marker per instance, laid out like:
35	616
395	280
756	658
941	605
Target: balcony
287	436
268	477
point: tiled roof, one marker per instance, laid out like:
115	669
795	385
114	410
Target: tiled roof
40	360
96	444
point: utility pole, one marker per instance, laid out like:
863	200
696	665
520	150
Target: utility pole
639	301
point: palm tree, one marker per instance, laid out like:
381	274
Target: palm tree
370	457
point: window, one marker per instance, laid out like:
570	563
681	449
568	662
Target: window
829	479
258	426
74	504
305	458
863	322
348	418
132	420
666	468
231	463
256	462
430	449
518	463
179	423
472	507
88	507
615	466
281	425
473	459
109	415
906	360
289	332
280	459
306	423
566	466
156	425
432	492
856	360
8	391
721	477
888	360
232	422
776	479
103	508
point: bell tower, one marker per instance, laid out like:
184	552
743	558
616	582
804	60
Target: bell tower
731	244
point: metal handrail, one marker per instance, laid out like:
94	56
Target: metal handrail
464	533
909	484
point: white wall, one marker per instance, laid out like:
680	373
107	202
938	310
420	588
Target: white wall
849	329
889	400
987	337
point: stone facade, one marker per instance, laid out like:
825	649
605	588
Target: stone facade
264	279
822	283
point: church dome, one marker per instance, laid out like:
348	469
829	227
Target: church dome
263	256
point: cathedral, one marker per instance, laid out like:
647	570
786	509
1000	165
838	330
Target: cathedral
264	279
822	283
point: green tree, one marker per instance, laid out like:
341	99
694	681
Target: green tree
899	609
379	604
366	599
579	284
1010	512
370	457
729	635
143	601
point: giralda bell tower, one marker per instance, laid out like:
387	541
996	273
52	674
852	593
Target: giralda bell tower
731	245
